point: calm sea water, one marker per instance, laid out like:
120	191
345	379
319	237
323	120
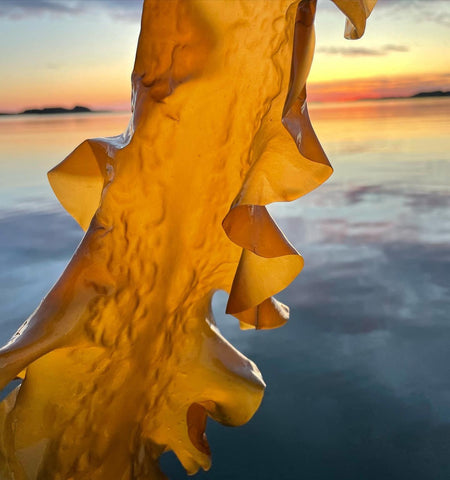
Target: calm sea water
359	379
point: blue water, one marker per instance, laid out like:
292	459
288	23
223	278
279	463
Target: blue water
359	378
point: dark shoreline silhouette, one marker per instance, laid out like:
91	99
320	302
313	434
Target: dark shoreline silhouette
433	94
437	93
53	111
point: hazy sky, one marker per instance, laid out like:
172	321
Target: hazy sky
67	52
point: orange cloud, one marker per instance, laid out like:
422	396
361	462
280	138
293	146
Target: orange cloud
376	87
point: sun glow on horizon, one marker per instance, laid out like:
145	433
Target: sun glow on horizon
86	58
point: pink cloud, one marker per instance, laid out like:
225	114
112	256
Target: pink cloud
376	87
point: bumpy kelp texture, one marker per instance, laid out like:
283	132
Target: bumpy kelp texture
122	360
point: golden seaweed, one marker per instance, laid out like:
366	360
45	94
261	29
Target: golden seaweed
122	360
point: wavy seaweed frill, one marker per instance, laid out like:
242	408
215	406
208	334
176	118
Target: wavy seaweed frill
284	168
283	171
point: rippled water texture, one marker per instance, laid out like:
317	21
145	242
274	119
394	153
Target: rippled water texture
358	380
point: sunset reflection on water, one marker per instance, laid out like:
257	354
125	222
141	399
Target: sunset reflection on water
358	384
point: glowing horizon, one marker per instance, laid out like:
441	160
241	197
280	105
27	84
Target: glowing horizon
69	53
332	91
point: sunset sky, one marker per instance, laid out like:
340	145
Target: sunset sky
67	52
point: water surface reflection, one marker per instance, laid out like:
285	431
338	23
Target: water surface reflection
358	382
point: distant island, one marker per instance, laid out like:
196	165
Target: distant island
52	111
437	93
434	94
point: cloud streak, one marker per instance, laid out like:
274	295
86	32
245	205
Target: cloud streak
375	87
128	10
435	11
364	51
